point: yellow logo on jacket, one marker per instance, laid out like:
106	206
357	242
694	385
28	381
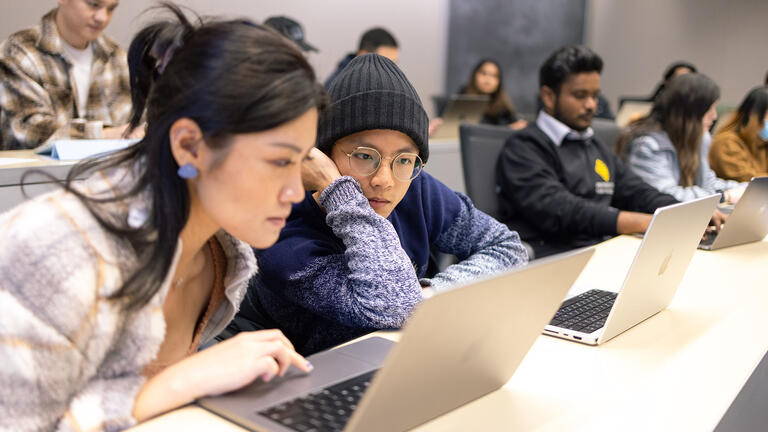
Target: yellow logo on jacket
602	170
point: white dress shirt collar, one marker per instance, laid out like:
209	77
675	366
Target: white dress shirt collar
557	131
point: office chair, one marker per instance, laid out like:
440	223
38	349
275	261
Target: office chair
480	148
607	132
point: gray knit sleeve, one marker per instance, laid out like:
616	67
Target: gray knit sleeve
374	283
482	244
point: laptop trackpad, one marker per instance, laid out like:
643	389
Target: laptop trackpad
330	367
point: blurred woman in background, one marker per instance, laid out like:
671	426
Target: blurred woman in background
740	149
667	148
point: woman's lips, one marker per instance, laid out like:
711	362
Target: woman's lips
277	221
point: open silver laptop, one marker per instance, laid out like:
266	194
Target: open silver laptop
596	316
747	223
460	109
457	346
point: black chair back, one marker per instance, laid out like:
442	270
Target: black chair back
480	148
607	132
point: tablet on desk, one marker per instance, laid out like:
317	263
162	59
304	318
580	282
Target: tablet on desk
73	149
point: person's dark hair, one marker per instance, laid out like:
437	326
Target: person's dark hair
568	60
230	77
671	69
678	111
500	101
749	118
375	38
766	79
669	73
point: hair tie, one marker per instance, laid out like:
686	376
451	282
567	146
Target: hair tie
168	55
164	50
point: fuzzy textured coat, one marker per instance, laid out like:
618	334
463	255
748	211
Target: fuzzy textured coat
71	358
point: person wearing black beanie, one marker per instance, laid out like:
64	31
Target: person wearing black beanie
353	255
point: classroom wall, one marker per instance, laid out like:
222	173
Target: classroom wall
333	26
638	39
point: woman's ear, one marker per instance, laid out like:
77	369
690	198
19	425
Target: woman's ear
186	141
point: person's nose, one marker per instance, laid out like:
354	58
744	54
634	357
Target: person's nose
383	177
591	103
292	191
101	15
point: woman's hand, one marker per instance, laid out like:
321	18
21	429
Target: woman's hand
318	171
224	367
718	219
732	196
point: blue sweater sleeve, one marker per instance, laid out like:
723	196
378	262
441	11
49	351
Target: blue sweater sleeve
372	283
481	243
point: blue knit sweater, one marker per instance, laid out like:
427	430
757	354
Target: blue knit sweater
333	277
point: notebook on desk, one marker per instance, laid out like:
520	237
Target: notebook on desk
660	262
457	346
748	222
75	149
461	109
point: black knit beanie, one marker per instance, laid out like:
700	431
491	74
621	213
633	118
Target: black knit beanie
371	92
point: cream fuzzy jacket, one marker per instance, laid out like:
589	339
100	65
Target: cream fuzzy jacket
70	359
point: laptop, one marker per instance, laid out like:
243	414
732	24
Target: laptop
456	347
660	262
747	223
460	109
630	111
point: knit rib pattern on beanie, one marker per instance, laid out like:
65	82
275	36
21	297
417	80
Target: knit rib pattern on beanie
373	93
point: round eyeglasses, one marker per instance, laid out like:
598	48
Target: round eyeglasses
365	161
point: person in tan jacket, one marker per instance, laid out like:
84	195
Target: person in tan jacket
740	149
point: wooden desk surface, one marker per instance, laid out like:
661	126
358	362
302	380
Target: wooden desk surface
678	370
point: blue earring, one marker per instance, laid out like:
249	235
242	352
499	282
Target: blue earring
187	171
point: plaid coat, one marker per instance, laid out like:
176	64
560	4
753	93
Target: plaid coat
37	96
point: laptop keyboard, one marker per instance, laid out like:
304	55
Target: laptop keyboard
326	410
586	312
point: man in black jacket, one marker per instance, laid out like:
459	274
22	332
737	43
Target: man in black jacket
559	187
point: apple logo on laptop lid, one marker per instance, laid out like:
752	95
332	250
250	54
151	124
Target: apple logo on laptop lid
665	263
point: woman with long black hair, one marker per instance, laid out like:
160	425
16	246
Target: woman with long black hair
487	79
111	285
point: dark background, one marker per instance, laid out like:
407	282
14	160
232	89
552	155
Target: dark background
519	34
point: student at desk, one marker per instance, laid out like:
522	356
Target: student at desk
353	256
109	287
668	148
487	79
559	186
739	150
376	40
62	69
672	71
